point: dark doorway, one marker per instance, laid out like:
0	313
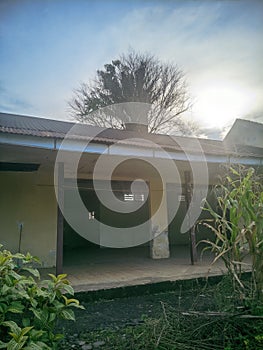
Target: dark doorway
73	242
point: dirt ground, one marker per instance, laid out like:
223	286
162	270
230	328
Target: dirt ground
130	310
109	317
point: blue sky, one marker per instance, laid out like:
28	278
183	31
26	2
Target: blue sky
48	47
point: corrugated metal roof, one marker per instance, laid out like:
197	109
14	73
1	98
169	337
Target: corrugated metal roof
49	128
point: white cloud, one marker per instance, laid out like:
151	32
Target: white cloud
187	33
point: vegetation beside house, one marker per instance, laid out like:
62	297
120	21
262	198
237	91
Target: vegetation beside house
237	223
30	308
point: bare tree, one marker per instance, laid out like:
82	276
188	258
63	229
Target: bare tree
139	78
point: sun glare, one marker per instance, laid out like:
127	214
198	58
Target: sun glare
219	104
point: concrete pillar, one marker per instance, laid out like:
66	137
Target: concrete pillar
159	245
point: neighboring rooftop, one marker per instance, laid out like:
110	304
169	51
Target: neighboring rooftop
246	133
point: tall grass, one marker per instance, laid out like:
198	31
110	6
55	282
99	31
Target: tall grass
237	223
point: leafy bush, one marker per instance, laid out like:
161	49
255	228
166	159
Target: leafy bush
29	307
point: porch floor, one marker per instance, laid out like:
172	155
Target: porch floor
104	268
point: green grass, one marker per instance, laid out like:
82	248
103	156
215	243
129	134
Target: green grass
215	318
174	331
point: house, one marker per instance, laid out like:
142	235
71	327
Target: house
245	133
66	186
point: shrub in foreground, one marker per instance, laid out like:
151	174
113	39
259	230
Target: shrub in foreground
29	307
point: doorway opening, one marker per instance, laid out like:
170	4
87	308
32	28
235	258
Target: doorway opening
78	250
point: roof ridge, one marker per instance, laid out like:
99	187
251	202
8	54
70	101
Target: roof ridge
35	117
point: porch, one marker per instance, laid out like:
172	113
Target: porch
104	268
